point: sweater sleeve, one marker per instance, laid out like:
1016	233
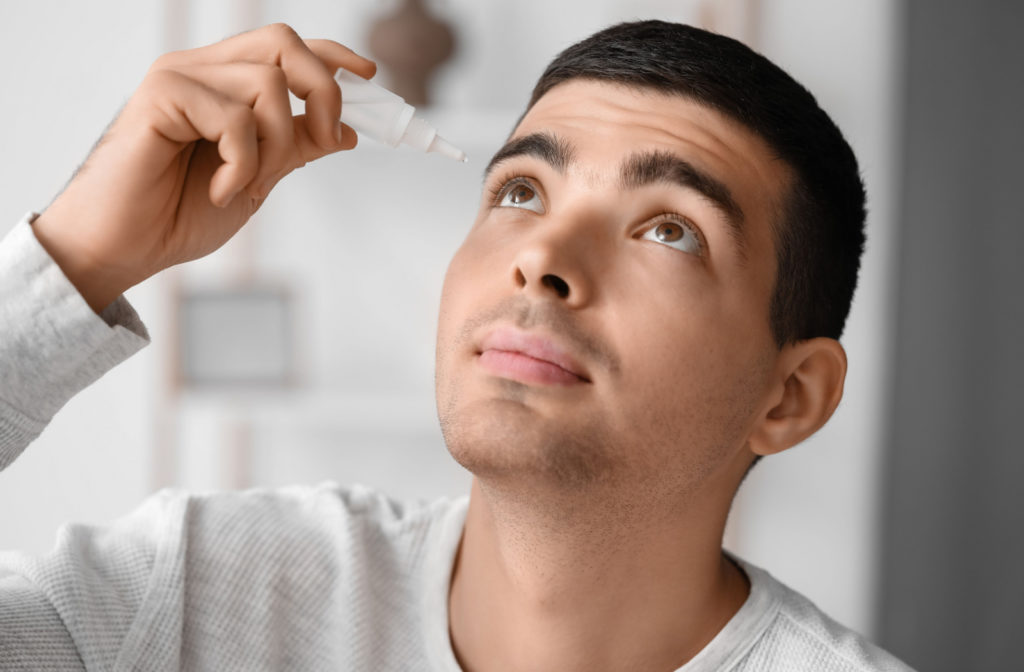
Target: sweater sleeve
52	344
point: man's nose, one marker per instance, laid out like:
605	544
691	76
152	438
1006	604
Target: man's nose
553	262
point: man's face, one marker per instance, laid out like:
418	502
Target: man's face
606	318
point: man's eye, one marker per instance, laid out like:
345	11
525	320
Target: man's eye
675	234
519	194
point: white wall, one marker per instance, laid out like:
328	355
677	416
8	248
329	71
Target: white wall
363	240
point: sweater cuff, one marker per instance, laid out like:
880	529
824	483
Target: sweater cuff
52	344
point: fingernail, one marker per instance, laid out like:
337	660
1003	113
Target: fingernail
337	132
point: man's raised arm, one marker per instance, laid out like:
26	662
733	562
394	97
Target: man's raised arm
192	155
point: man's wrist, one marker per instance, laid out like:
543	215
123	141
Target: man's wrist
88	277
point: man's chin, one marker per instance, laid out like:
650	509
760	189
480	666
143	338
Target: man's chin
507	440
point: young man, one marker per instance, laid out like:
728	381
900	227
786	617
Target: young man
648	301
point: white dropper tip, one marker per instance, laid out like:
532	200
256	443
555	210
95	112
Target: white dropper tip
445	148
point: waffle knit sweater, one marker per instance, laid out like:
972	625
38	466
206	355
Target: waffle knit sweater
301	578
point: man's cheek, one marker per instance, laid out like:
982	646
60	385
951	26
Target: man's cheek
459	273
454	282
459	295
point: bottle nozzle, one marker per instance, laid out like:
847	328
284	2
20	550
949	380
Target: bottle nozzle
445	148
422	136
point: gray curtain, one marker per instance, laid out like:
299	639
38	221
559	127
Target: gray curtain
952	593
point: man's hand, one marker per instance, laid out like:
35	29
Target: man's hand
193	154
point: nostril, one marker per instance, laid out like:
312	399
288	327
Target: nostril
560	286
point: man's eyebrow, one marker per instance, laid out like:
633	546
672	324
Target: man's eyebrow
653	167
547	147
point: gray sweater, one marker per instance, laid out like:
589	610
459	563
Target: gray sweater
302	578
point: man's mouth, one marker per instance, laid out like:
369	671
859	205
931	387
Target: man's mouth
528	358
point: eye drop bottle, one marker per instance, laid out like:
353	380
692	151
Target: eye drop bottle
382	115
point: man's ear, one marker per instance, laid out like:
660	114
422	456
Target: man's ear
808	387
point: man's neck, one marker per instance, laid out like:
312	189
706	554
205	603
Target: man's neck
563	585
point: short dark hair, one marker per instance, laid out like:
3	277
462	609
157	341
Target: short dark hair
820	236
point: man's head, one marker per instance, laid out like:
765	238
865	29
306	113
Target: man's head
664	256
819	236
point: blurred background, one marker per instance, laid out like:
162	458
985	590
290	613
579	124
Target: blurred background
302	351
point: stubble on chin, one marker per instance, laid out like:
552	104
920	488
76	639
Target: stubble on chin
505	442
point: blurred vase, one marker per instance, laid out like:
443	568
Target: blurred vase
411	44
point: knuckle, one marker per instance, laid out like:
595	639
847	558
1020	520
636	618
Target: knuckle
282	32
159	80
165	61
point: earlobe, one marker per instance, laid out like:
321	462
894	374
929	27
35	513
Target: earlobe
809	386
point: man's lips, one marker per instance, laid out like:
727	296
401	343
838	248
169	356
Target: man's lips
529	358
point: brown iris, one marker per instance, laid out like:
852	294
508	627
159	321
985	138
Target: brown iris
668	232
521	193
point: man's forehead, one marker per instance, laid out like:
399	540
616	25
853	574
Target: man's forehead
617	107
602	115
608	120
